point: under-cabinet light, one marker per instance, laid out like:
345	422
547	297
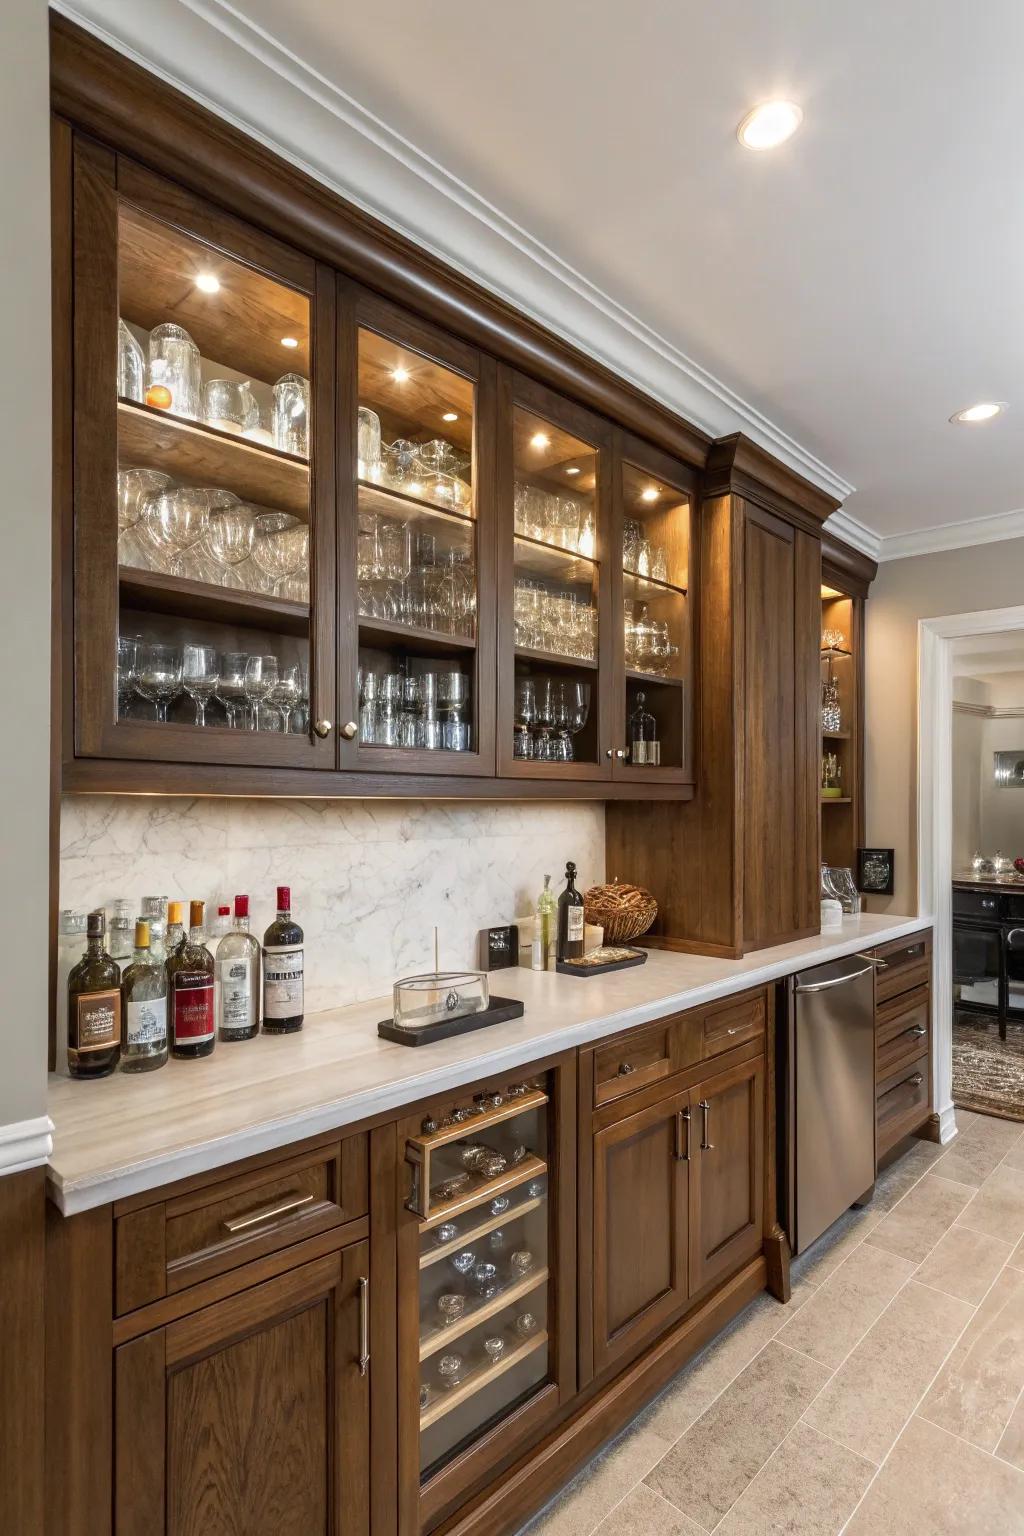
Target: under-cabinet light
573	469
400	375
450	416
650	493
540	440
207	283
289	341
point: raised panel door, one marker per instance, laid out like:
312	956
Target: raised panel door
727	1176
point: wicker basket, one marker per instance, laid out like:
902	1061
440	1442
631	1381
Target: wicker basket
623	911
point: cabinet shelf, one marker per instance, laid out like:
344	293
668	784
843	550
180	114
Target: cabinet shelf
523	653
835	735
153	592
439	1338
648	585
479	1379
444	1250
531	1168
836	799
200	455
428	642
396	504
652	677
552	561
833	651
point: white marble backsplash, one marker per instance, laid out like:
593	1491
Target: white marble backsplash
369	878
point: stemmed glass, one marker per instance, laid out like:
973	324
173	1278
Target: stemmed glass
526	716
281	547
230	534
157	675
285	693
176	520
127	647
134	488
231	685
200	675
260	677
577	710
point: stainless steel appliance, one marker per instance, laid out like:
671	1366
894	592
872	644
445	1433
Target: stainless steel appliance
988	954
826	1069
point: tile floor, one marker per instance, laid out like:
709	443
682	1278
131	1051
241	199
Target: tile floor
887	1397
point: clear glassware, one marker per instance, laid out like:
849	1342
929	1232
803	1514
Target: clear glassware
230	405
644	746
577	709
659	563
368	445
230	535
284	695
200	674
176	520
260	677
173	373
131	366
644	556
280	547
451	1307
291	415
632	534
230	688
526	717
157	675
127	647
134	486
400	464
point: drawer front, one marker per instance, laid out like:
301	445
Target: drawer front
632	1061
164	1248
902	1031
902	1103
733	1023
980	904
906	963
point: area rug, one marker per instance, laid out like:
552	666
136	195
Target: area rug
988	1073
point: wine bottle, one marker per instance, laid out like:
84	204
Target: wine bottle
190	991
144	1002
237	979
544	936
175	936
570	918
94	1006
282	970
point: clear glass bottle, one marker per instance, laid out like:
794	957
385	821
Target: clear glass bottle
175	936
144	1005
283	970
70	946
237	979
222	925
190	989
122	932
94	1006
544	936
644	746
154	910
570	918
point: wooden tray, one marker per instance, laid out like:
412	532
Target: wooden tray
500	1009
636	957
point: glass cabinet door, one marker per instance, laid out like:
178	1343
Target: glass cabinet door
421	695
654	504
554	591
198	542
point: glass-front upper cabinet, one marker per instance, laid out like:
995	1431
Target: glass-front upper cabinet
653	505
417	668
554	590
203	635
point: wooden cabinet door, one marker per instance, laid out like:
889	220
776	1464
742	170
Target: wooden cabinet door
727	1172
641	1178
250	1417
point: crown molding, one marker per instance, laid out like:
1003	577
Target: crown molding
216	56
842	526
25	1144
989	711
930	541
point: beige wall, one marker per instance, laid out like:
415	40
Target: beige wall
925	586
968	757
25	568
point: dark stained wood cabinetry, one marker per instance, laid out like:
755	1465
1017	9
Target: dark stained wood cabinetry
727	1172
903	1041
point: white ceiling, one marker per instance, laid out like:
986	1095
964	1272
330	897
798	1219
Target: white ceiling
983	657
845	293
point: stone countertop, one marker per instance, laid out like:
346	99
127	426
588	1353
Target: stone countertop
128	1133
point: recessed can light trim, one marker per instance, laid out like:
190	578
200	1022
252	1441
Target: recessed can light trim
984	410
769	124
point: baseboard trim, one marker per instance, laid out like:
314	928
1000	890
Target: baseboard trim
25	1144
946	1119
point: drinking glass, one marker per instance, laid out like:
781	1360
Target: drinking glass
644	556
285	693
632	535
261	676
546	711
526	716
200	675
157	675
127	646
659	563
133	488
173	374
291	415
281	546
231	686
399	459
368	444
175	521
230	406
131	366
230	535
577	710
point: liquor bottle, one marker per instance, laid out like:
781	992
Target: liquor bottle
121	931
70	948
144	1001
190	990
544	932
222	924
94	1007
282	970
570	918
237	979
175	931
154	910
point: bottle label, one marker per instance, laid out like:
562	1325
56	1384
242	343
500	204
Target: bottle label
146	1022
237	1004
574	925
97	1020
282	982
193	1007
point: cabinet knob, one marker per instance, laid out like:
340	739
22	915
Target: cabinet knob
625	1068
609	753
348	730
619	753
322	728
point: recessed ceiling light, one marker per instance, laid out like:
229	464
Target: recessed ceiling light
289	341
649	493
400	375
540	440
207	283
573	469
983	411
770	124
450	416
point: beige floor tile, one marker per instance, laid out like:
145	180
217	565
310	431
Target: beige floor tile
1015	1157
1016	1259
977	1388
964	1263
843	1309
1011	1444
707	1470
824	1257
810	1487
996	1132
934	1483
868	1400
900	1176
580	1508
965	1117
914	1226
998	1207
645	1513
700	1382
970	1160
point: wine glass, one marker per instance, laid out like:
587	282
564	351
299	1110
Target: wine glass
230	688
285	693
577	710
281	546
260	678
230	534
176	520
157	675
127	647
526	716
200	674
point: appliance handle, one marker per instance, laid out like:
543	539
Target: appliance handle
840	981
880	965
1014	933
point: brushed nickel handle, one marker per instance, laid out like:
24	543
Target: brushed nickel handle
609	753
364	1323
625	1068
705	1145
916	1080
235	1224
619	753
907	1082
879	965
322	728
349	729
918	1029
683	1135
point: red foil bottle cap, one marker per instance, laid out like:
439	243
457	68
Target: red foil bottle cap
223	911
284	898
241	906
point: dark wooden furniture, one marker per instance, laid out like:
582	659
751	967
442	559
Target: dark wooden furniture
846	575
903	1060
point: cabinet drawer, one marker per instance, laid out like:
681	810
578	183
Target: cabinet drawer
733	1023
906	963
902	1031
164	1248
902	1103
631	1061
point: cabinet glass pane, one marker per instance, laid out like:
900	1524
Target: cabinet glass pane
483	1279
976	966
416	576
213	429
557	569
655	571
